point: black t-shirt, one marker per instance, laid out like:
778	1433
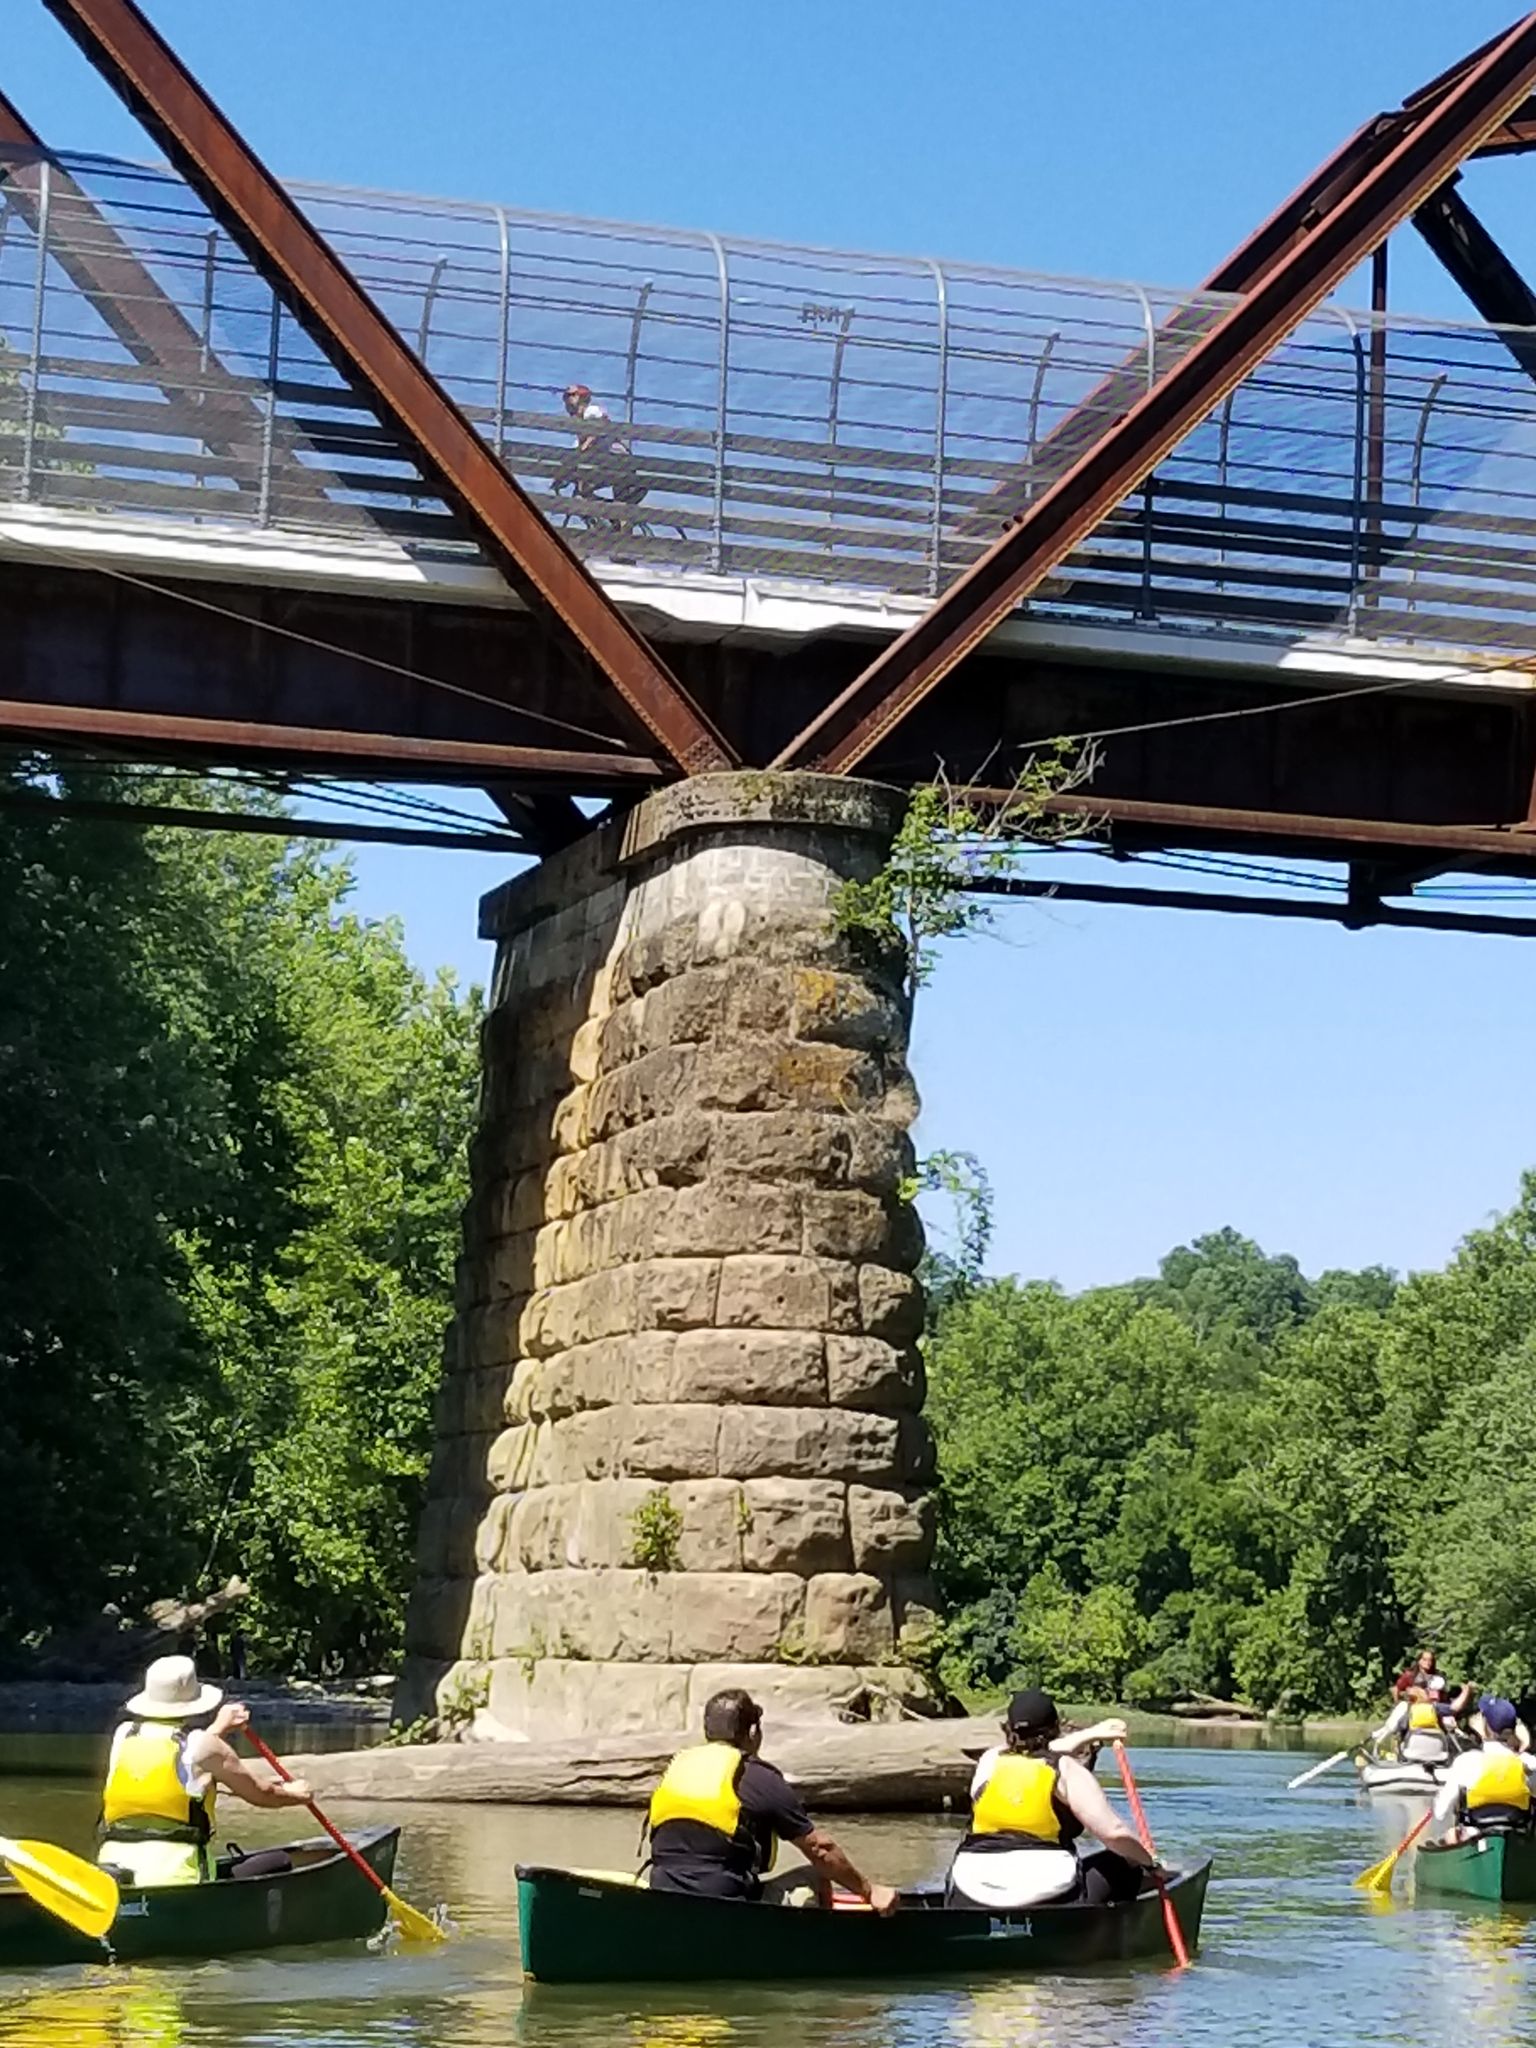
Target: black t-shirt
688	1856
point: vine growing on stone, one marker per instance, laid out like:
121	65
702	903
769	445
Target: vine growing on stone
954	840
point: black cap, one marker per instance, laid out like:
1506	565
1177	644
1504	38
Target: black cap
1031	1712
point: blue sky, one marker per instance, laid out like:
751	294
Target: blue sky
1129	1077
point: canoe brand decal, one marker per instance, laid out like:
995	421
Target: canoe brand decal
1483	1846
1009	1927
133	1909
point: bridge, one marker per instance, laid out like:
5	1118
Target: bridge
278	491
1307	628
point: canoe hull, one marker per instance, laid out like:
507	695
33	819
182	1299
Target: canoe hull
323	1899
580	1930
1494	1867
1402	1780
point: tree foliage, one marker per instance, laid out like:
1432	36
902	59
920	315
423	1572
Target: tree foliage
235	1120
1233	1479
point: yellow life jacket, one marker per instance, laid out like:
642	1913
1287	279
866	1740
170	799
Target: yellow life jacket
700	1785
1424	1715
1501	1782
145	1798
1017	1799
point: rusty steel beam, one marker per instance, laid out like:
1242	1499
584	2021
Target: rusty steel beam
1187	824
1235	905
1421	159
275	825
1475	262
131	302
343	321
217	738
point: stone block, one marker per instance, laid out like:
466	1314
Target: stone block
866	1372
445	1539
654	1294
711	1535
842	1009
493	1539
774	1293
471	1402
915	1603
798	1525
458	1468
847	1619
786	1692
537	1530
809	1443
434	1622
553	1698
917	1455
844	1223
600	1530
670	1440
736	1617
890	1305
761	1001
766	1367
489	1336
590	1445
524	1400
784	1146
722	1215
510	1462
891	1529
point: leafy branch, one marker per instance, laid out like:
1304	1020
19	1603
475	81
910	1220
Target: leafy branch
953	840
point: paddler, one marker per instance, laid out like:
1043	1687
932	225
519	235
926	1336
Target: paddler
1420	1727
1489	1787
1031	1799
168	1763
720	1811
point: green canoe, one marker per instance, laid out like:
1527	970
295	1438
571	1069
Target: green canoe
1492	1866
323	1898
580	1929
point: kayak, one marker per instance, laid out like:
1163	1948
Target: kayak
1491	1866
1386	1775
323	1898
588	1929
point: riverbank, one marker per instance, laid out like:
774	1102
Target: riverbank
56	1707
880	1767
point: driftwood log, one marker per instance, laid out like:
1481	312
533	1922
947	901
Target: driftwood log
914	1766
105	1649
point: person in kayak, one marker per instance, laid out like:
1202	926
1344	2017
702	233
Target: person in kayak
719	1812
1425	1673
1031	1800
168	1762
1419	1730
1488	1787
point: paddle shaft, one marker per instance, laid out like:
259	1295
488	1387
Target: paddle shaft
331	1829
1339	1756
1389	1863
1139	1814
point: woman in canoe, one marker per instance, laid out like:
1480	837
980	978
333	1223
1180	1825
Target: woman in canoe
168	1763
1031	1800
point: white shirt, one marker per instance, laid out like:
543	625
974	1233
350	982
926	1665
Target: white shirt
1465	1772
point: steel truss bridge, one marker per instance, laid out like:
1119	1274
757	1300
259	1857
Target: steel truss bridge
280	469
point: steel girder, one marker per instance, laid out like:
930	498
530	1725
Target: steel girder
296	261
1379	178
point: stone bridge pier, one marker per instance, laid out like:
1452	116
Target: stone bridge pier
679	1433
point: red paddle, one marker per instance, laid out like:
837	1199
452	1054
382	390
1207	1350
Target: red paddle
413	1926
1139	1814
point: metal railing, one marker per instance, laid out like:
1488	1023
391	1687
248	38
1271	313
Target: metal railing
791	413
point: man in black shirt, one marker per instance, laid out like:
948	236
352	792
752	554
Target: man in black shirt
719	1812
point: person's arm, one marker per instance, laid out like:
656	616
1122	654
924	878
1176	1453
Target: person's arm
1079	1739
1451	1787
1394	1721
1081	1792
232	1774
833	1866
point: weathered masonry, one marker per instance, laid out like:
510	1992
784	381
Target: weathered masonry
688	1279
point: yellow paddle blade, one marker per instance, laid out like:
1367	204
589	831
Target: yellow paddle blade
1379	1877
413	1926
67	1886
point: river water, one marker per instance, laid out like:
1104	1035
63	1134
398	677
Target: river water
1292	1956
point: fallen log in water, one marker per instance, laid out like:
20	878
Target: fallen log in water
867	1767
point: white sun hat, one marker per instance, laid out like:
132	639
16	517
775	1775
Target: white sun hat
173	1692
